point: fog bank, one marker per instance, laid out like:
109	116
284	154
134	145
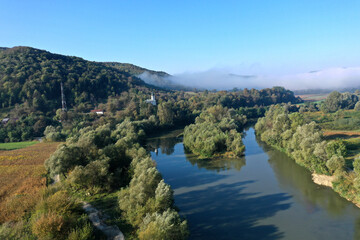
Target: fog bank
224	79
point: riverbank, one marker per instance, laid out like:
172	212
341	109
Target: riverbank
327	181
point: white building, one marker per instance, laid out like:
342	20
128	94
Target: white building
151	100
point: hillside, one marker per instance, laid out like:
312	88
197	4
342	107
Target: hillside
156	78
133	69
33	76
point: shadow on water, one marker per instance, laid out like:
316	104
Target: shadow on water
224	211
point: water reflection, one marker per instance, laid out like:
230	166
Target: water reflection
218	164
166	143
297	180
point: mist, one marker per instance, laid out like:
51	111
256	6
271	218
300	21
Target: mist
225	79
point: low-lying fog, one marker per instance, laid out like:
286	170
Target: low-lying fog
225	79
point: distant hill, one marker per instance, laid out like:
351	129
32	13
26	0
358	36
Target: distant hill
33	76
133	69
156	78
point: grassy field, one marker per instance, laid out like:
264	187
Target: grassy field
345	125
16	145
22	177
344	120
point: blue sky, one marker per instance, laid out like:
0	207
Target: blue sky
250	36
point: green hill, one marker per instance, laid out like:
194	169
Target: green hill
33	77
156	78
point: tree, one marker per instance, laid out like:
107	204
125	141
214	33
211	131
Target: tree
335	163
53	134
65	159
336	147
163	226
357	106
333	102
165	113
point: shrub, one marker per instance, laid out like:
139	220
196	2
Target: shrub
356	165
59	203
83	233
163	226
15	231
163	196
93	176
336	147
335	163
53	134
50	226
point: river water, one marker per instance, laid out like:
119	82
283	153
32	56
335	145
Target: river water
264	195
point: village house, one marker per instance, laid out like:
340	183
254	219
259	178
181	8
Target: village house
98	111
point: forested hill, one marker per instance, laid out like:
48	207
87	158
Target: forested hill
33	76
133	69
157	78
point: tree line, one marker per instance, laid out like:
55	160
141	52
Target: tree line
303	141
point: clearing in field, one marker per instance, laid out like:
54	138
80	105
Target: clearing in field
22	177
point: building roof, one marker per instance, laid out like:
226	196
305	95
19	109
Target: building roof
97	110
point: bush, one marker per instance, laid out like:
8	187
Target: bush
139	197
50	226
83	233
336	147
53	134
94	176
15	231
356	165
65	158
335	163
59	203
163	226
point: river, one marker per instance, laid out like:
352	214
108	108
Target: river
264	195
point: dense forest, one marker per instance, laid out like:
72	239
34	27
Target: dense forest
32	76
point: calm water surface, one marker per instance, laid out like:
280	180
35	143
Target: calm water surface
264	195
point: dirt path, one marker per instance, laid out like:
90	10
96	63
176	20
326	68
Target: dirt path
97	219
95	216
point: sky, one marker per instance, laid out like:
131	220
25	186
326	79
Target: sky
275	42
